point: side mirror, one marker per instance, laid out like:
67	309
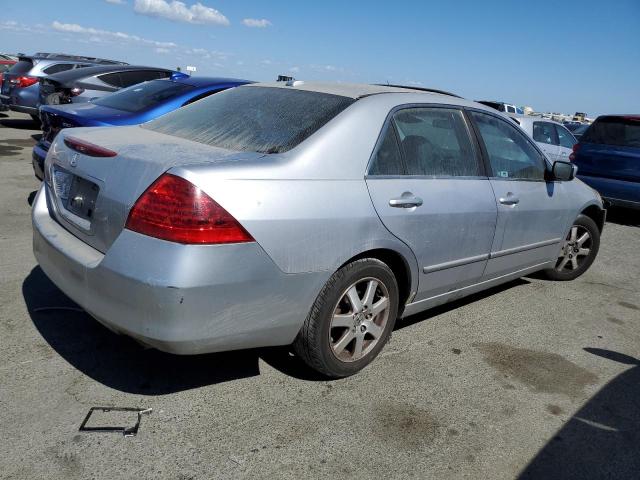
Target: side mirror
563	171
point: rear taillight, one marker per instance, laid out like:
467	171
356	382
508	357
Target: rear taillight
572	155
87	148
22	82
176	210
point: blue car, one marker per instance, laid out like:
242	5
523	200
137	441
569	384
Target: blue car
608	159
129	106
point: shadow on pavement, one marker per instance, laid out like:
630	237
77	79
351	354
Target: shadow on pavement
20	123
447	307
623	216
121	363
32	197
602	440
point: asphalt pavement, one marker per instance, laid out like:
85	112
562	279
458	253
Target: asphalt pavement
533	379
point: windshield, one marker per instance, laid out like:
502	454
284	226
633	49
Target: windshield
256	119
143	95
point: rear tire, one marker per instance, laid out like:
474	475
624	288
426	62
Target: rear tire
578	252
351	319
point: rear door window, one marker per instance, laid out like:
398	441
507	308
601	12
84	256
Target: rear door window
387	159
436	142
510	152
544	132
619	131
566	139
57	68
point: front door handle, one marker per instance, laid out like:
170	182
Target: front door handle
509	199
405	202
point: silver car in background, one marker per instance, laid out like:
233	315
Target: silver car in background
305	214
553	138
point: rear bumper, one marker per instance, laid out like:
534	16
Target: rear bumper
181	299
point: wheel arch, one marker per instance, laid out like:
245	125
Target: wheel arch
401	268
595	213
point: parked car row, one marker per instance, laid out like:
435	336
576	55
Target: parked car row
20	88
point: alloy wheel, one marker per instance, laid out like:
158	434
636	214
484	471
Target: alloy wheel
359	319
576	249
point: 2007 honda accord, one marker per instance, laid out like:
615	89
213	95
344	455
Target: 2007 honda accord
304	214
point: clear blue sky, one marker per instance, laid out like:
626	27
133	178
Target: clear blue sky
555	55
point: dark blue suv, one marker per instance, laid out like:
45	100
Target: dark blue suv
608	159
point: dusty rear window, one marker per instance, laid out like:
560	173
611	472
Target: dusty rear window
256	119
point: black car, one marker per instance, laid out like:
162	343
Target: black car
78	86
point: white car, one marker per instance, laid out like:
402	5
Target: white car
553	138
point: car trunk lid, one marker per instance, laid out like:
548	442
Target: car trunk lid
92	196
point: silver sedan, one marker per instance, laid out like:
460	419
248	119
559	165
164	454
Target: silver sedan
304	214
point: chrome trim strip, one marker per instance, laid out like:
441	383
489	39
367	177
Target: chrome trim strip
490	280
455	263
523	248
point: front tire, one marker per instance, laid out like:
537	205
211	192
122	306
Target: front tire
578	251
351	319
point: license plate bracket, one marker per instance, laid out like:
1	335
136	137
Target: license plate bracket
82	197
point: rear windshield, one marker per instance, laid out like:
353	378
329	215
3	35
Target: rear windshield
22	67
142	96
621	131
256	119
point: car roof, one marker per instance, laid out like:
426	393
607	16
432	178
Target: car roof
532	118
351	90
627	116
77	73
71	58
206	81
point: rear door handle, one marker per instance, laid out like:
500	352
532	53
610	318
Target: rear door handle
509	199
405	202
